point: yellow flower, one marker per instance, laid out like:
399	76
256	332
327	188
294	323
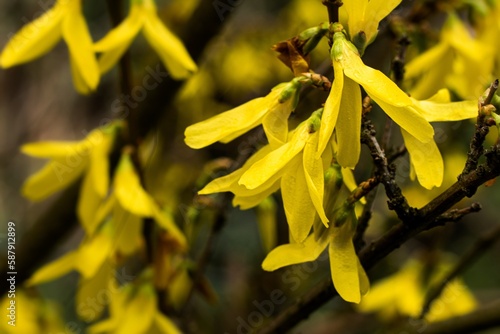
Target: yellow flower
271	111
68	161
134	310
32	315
291	166
404	293
143	16
458	61
349	277
343	113
362	17
64	20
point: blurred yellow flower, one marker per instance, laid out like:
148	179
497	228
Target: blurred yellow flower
33	315
404	293
64	20
134	310
143	16
68	161
459	61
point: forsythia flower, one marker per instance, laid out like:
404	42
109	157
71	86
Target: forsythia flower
361	17
143	15
404	293
349	277
64	20
93	260
271	111
458	61
134	310
38	316
291	166
68	161
343	112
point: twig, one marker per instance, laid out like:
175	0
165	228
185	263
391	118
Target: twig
476	146
397	201
398	70
484	318
478	249
333	9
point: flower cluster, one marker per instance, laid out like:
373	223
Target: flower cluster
297	161
65	20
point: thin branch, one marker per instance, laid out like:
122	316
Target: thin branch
482	129
481	319
397	201
479	248
333	9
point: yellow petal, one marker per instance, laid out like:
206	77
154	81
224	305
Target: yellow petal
165	220
88	289
442	112
129	191
93	252
386	94
426	159
54	269
299	208
165	325
128	231
78	80
247	202
53	177
264	169
435	78
118	40
426	61
88	204
79	41
170	49
242	118
140	312
294	253
314	175
34	39
123	34
54	150
344	262
275	122
331	109
348	128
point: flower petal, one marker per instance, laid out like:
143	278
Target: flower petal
331	109
344	262
314	175
242	118
294	253
426	160
80	45
299	208
170	49
266	168
348	128
34	39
